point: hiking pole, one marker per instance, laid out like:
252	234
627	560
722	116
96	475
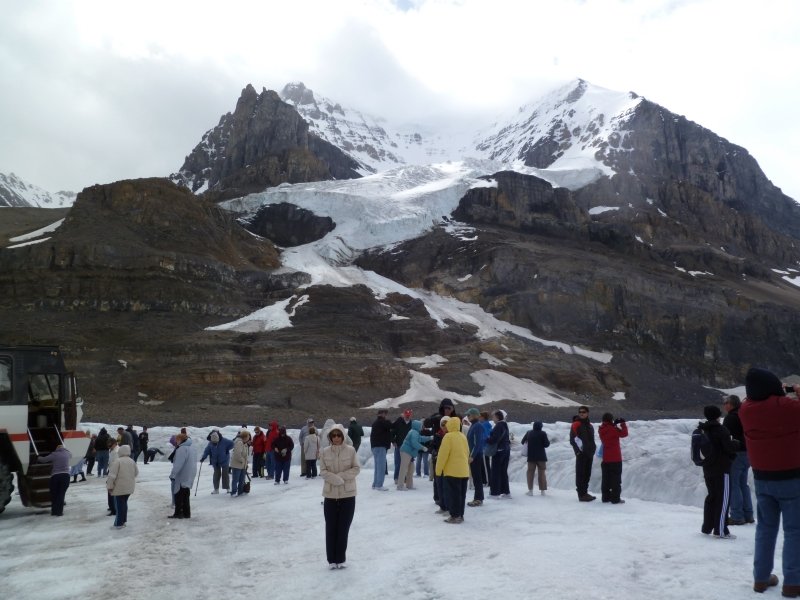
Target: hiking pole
200	470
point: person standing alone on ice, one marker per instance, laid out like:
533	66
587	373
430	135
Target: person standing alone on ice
339	469
581	437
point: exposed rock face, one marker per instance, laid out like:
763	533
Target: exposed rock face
263	143
140	245
289	225
537	261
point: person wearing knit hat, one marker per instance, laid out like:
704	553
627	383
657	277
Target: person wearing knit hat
716	472
771	424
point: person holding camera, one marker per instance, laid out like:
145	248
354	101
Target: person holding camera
611	431
771	423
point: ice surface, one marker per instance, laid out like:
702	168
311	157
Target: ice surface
274	538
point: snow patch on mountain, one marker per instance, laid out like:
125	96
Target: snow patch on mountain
16	192
576	123
380	211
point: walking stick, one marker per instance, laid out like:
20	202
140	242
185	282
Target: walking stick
200	470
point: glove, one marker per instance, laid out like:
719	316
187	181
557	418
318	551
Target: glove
424	449
337	480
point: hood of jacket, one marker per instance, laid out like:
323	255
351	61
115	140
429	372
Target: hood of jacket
124	450
340	429
452	425
537	425
761	384
416	425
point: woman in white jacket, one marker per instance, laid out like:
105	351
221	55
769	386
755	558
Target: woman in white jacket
120	484
311	452
339	468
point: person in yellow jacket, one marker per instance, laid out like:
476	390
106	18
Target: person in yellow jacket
452	463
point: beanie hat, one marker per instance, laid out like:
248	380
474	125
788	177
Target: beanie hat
353	419
443	420
407	413
761	384
712	412
214	437
444	403
473	412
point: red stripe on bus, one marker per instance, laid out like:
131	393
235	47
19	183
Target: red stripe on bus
19	437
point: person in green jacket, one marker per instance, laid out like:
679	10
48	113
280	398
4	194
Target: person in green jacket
356	432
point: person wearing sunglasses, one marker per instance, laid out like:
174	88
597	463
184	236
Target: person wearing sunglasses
339	469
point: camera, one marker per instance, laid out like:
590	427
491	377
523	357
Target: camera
789	389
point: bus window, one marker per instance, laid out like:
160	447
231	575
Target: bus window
5	380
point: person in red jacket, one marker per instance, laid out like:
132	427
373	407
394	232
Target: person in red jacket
771	423
271	437
259	450
611	431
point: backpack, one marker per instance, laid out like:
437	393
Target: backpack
702	447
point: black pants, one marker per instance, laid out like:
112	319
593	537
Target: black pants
182	508
58	491
583	472
258	464
338	517
476	470
144	454
715	507
611	482
498	477
311	467
89	465
455	491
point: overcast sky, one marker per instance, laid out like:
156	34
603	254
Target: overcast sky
96	91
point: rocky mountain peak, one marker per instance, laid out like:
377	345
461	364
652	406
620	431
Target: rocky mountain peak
297	93
15	191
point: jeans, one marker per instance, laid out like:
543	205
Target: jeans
741	500
338	517
102	463
282	469
422	464
379	457
121	509
237	481
270	464
776	500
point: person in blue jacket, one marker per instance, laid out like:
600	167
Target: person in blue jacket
476	437
408	450
218	453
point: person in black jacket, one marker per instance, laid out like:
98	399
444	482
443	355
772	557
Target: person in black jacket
716	472
380	440
144	440
581	437
433	427
741	500
537	441
101	452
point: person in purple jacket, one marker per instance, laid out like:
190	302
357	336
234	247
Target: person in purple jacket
59	478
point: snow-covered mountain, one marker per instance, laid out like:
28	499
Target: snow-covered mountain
373	141
15	191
